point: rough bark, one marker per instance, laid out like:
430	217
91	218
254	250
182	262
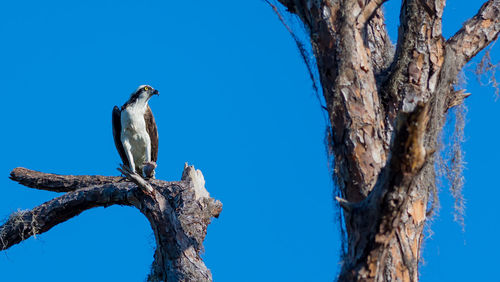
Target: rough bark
179	213
386	110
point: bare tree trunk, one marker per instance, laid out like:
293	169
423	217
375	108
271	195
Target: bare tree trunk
179	213
387	107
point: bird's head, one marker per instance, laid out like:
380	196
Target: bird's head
142	94
145	91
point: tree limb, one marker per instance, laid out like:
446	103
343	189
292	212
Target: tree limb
476	33
380	45
418	52
24	224
58	183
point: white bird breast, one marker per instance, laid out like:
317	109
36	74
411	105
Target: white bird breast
134	135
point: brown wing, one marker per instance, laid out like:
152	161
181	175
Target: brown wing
117	130
153	133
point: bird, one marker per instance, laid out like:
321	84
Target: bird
135	132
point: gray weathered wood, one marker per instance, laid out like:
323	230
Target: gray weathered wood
179	213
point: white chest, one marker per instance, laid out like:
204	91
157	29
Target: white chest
134	135
132	120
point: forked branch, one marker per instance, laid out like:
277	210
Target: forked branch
179	225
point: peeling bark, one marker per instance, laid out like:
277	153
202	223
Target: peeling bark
387	109
179	213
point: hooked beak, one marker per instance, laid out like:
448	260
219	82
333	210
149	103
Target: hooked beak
155	92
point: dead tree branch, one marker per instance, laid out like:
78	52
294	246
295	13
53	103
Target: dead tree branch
179	214
22	225
58	183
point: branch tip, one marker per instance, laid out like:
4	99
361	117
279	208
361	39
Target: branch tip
196	181
457	98
347	206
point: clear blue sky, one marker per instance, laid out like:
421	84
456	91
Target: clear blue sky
237	103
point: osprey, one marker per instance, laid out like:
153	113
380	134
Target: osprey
135	132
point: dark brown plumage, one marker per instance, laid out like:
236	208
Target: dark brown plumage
117	129
153	133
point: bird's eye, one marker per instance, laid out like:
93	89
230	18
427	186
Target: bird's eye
146	88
